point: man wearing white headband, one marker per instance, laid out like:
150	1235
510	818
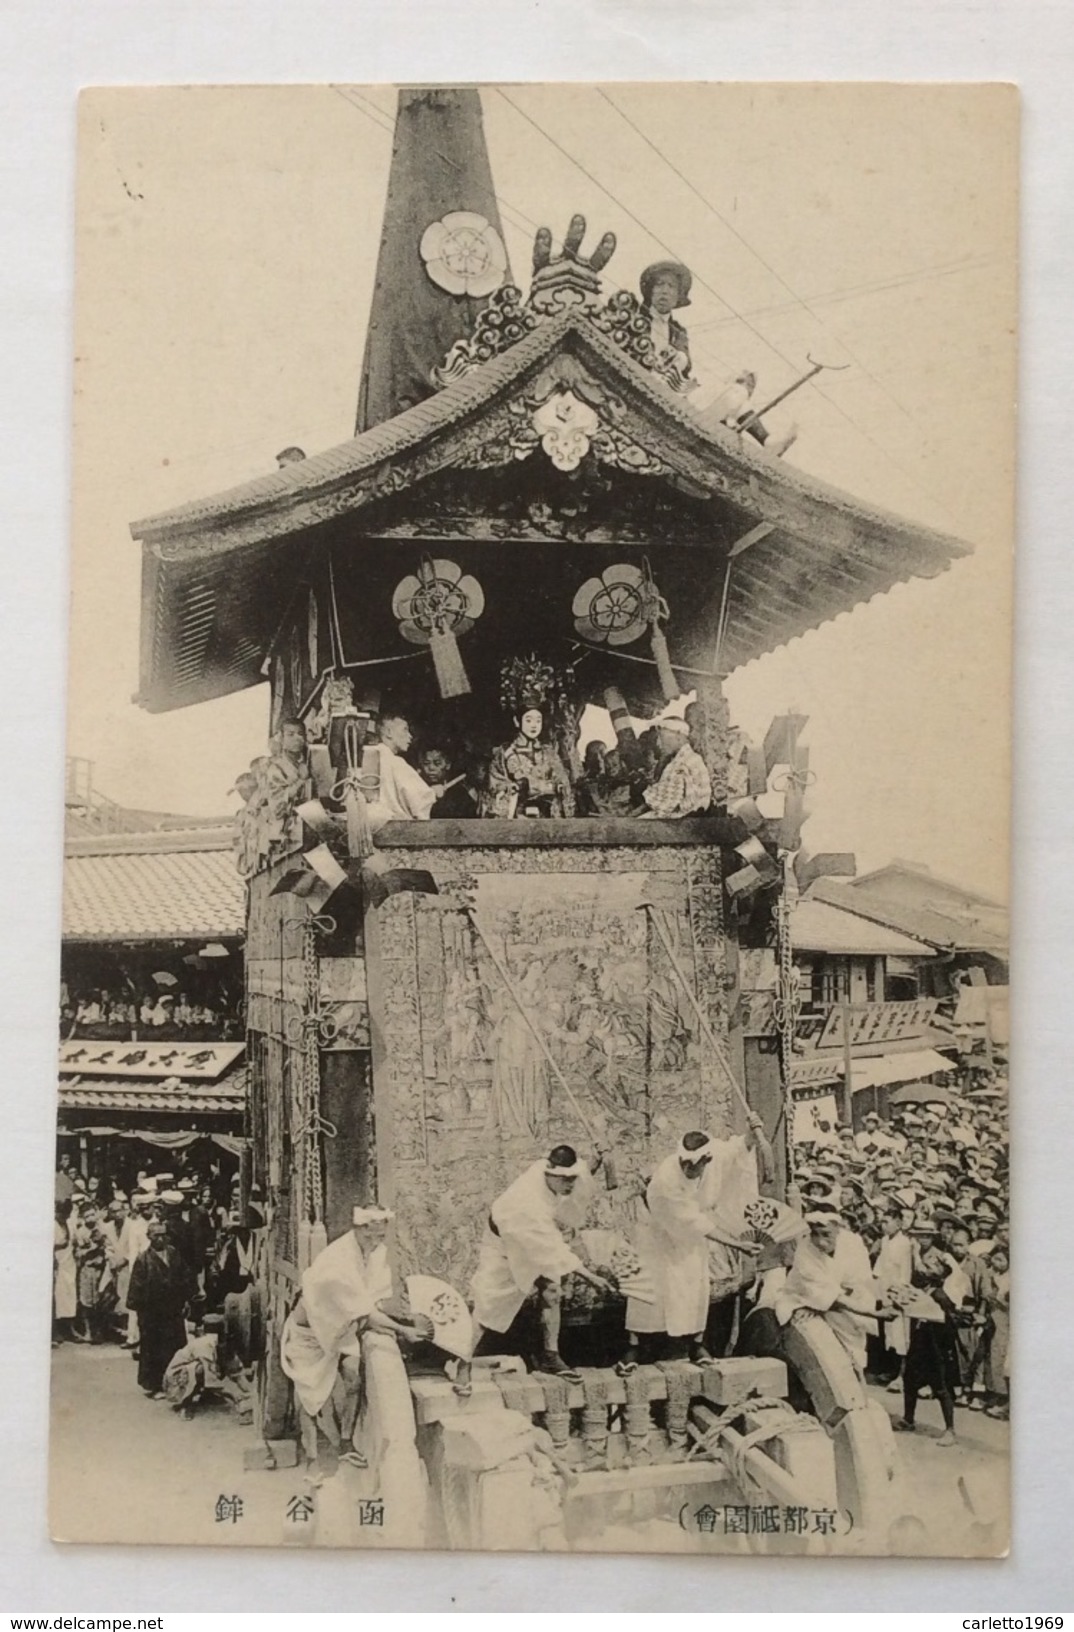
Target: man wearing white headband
321	1347
832	1276
523	1251
684	787
685	1205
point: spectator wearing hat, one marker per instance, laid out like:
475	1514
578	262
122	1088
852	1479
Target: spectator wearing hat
976	1328
932	1353
175	1218
158	1293
117	1271
132	1243
95	1295
997	1361
872	1139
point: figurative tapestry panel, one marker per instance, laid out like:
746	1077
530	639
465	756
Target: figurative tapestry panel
521	1009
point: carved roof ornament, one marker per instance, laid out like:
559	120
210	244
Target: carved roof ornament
570	279
565	282
566	427
569	414
464	254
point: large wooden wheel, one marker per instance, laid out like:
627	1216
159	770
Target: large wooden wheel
861	1440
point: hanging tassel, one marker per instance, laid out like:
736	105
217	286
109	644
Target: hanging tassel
355	784
668	683
318	1239
451	676
303	1245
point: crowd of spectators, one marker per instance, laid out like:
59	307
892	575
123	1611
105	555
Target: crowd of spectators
166	1271
155	1015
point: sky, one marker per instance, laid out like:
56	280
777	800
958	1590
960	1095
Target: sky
226	251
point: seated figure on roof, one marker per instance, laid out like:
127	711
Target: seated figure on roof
607	786
665	288
734	408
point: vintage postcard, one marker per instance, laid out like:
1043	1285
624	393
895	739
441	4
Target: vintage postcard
533	1045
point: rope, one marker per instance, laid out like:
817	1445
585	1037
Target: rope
312	1125
356	788
788	1422
532	1028
707	1442
710	1036
787	1009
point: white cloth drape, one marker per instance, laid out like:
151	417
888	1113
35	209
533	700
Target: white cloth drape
403	795
530	1245
339	1289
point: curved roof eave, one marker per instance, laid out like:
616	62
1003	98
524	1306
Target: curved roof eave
282	496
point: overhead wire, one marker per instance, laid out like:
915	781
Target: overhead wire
742	318
754	251
859	291
385	121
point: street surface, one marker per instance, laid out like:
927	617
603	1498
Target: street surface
125	1469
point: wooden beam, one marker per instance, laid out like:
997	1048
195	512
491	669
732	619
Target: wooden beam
754	536
646	1476
496	833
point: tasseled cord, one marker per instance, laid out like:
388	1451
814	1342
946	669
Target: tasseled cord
359	780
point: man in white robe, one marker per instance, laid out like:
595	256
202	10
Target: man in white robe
832	1276
401	795
342	1292
893	1267
686	1205
523	1250
117	1272
133	1241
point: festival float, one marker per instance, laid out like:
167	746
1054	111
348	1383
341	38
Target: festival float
532	521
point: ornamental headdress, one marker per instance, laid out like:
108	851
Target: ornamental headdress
527	682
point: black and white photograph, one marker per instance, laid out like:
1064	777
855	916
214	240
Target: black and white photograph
534	1025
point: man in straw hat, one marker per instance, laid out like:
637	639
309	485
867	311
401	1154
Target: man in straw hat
665	288
321	1349
523	1251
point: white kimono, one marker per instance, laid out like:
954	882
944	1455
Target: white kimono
529	1246
676	1248
893	1267
816	1281
402	795
65	1285
133	1240
339	1289
678	1238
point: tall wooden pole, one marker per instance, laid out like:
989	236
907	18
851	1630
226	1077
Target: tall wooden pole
848	1080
